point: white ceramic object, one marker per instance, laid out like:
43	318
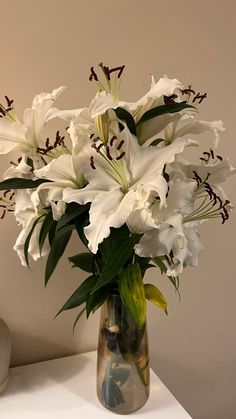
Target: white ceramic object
5	354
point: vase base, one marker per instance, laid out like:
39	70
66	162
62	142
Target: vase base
122	411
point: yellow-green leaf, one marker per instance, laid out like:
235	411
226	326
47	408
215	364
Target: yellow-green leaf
132	293
154	295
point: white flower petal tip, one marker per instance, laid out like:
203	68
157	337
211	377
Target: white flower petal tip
44	97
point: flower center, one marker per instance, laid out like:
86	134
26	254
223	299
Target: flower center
211	204
113	155
112	79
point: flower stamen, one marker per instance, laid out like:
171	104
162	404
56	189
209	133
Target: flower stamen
120	145
92	163
112	140
120	156
211	206
108	153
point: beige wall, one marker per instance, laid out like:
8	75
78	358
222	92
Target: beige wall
51	42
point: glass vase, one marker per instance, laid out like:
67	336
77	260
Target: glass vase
123	374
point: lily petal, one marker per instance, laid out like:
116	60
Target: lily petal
12	136
109	209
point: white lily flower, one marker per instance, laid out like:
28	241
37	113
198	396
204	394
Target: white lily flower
118	176
22	170
185	124
25	136
214	173
29	206
193	242
154	97
171	233
58	209
62	173
186	249
172	236
104	102
99	118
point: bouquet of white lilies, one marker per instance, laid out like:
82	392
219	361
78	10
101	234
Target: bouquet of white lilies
120	178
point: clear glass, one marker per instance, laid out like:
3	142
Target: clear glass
123	373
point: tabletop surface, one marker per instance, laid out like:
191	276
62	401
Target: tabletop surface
64	388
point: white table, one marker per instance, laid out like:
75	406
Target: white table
64	388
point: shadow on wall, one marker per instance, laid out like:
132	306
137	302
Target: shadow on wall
183	383
21	344
189	388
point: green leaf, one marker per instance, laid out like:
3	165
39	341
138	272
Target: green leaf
27	241
163	109
153	294
107	247
95	300
46	226
58	246
19	183
52	232
30	163
127	117
157	141
112	393
73	210
78	317
159	262
84	261
120	375
143	263
80	295
121	252
132	293
82	221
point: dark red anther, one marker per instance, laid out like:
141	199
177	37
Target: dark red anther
3	214
224	214
6	192
59	140
2	111
121	71
107	72
220	202
214	198
93	75
121	155
212	154
200	97
112	140
197	178
99	147
120	145
108	153
92	163
188	91
9	102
